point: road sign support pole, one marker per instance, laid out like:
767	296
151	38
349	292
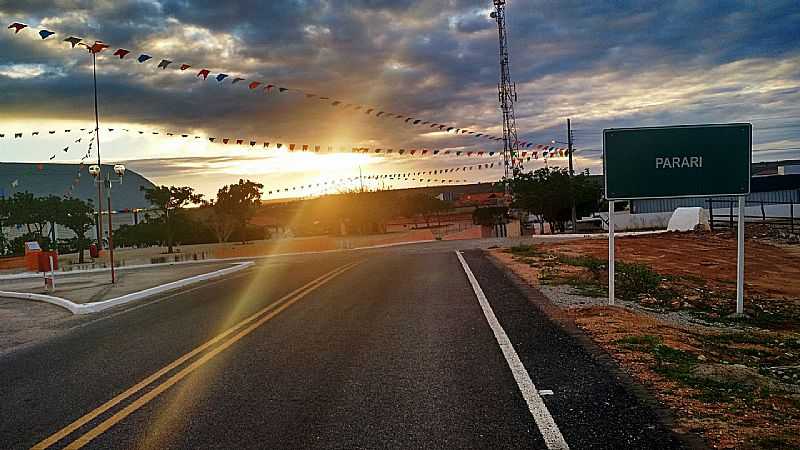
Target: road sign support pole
740	258
611	252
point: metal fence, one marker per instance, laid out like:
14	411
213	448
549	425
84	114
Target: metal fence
776	213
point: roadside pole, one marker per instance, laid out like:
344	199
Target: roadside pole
611	252
571	176
740	258
99	223
52	274
110	233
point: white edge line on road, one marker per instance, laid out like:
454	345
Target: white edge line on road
88	308
541	415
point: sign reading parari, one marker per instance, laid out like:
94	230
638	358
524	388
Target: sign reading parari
677	161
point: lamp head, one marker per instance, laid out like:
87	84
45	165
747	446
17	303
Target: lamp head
119	169
94	170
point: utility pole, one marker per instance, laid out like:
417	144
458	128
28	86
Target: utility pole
507	95
99	223
571	176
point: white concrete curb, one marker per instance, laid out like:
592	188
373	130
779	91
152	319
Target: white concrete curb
89	308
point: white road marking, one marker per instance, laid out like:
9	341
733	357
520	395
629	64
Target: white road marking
544	421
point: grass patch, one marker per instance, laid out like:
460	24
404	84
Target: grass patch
594	265
635	280
586	288
644	341
751	338
525	250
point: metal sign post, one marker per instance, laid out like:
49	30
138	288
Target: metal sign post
611	269
740	258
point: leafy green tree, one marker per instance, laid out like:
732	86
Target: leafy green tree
77	216
235	205
547	192
171	201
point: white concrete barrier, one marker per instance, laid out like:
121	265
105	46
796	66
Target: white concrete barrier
89	308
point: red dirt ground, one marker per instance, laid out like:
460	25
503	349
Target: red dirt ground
770	271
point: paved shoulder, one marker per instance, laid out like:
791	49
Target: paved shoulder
592	408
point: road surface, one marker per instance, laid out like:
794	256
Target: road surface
388	348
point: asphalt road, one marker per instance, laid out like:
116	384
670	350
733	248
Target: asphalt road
392	352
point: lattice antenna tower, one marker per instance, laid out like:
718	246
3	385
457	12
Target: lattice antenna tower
507	94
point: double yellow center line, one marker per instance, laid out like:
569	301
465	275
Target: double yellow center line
224	339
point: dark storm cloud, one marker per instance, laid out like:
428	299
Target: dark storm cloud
432	59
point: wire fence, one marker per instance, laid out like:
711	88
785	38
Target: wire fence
773	213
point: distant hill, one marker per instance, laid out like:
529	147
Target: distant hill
55	179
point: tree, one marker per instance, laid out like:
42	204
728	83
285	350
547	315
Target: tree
547	193
221	223
425	205
489	216
171	200
5	215
236	204
77	216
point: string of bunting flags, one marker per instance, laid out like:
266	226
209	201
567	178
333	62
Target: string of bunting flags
258	85
545	150
39	168
416	176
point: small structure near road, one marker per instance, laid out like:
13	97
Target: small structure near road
688	219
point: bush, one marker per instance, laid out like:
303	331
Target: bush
635	280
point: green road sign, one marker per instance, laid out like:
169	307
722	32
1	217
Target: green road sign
678	161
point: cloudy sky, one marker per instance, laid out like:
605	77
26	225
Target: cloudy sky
603	64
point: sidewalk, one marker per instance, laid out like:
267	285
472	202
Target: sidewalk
93	287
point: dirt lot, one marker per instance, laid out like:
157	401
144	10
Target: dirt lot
734	381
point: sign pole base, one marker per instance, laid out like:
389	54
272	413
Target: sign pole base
611	252
740	258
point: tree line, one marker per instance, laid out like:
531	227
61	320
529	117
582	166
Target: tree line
181	216
37	217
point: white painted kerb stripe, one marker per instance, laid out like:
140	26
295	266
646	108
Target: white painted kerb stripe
547	426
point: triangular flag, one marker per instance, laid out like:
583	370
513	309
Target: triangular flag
254	84
163	64
46	34
185	66
97	47
236	80
73	40
17	26
221	77
142	58
204	73
121	52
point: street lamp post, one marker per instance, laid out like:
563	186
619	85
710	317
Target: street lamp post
99	223
119	169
